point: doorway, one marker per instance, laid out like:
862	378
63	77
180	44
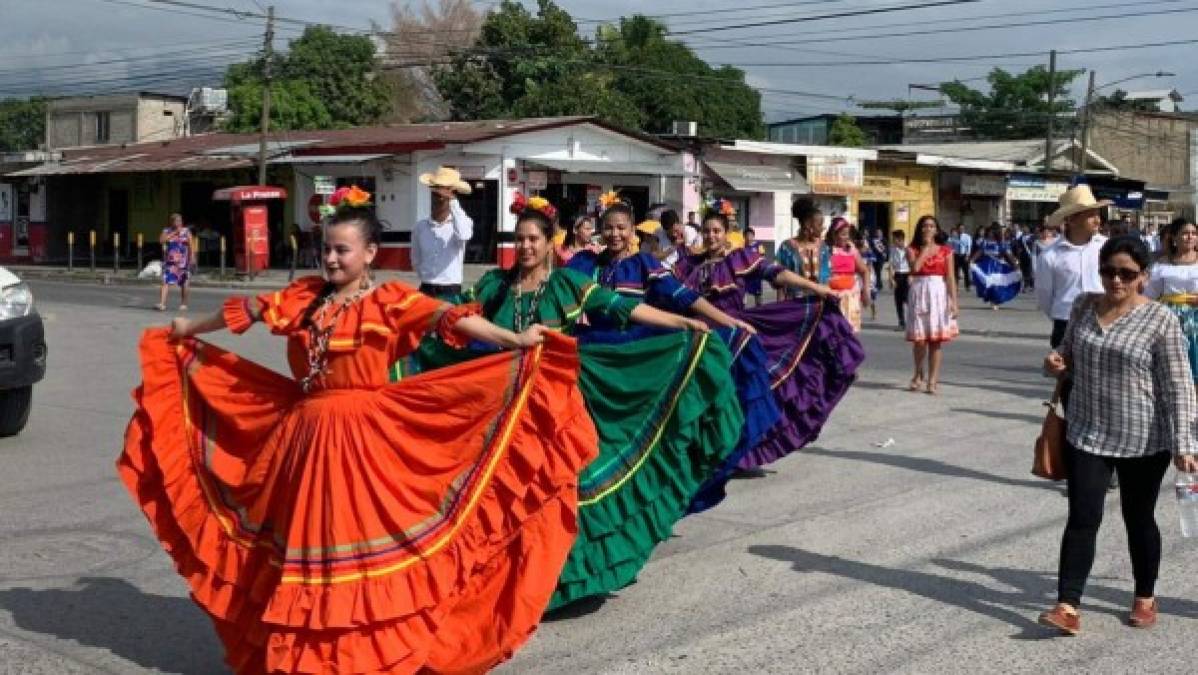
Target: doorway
638	197
482	205
874	216
570	200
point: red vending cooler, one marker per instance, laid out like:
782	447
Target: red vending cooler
251	233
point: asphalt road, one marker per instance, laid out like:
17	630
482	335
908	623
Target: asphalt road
933	553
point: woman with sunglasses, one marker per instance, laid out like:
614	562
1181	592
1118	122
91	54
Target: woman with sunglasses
1174	281
1131	409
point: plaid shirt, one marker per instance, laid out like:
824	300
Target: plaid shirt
1133	395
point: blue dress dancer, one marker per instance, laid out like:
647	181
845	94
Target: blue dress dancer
994	270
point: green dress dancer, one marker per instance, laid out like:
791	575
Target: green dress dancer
665	408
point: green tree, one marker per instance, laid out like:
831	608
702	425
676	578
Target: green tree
667	81
537	64
22	124
846	133
324	81
1016	106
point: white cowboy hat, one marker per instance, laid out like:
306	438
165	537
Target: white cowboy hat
446	177
1076	199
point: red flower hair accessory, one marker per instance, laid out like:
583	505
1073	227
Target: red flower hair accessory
521	203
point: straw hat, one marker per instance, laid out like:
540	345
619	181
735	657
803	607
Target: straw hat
446	177
1076	199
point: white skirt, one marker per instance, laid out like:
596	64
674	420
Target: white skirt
929	318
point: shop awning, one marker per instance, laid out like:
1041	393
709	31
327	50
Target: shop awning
326	159
601	167
754	178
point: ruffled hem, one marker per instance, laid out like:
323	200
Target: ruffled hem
620	527
237	314
750	372
449	319
467	605
825	370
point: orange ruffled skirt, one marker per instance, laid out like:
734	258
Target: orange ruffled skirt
417	526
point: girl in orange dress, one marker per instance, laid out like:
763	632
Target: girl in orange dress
336	523
931	303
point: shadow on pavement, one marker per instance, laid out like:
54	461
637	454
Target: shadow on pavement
932	466
1031	592
1011	417
578	609
159	632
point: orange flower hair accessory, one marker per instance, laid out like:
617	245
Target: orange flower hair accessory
352	196
609	199
521	203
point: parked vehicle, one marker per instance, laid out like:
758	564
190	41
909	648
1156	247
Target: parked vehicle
22	352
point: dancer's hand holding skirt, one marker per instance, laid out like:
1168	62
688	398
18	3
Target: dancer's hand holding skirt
364	527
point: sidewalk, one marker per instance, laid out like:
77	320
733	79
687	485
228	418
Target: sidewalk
206	278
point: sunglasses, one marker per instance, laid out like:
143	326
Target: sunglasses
1125	274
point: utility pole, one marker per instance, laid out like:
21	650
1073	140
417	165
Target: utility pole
264	125
1052	86
1081	163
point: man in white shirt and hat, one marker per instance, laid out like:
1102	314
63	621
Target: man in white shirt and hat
439	242
1069	266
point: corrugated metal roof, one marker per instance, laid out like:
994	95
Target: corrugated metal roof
1019	152
214	152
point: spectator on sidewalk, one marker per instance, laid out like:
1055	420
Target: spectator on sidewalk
178	259
439	242
962	245
1132	408
1069	267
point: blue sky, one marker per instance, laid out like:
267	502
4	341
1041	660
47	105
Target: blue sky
59	34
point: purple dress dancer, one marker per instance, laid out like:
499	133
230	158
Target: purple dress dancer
812	352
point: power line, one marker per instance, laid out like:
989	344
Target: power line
976	57
791	35
1021	24
822	17
109	62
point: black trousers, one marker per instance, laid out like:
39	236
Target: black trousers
878	267
441	291
1139	484
902	286
1058	333
961	263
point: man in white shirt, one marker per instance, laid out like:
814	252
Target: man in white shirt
439	242
962	245
1069	267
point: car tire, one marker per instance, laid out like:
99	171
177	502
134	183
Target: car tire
14	409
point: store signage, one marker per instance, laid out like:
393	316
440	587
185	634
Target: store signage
1029	188
983	185
324	185
833	175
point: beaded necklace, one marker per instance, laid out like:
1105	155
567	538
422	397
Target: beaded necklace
320	331
521	319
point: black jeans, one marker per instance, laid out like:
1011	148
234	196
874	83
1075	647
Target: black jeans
902	286
1058	333
961	265
1139	484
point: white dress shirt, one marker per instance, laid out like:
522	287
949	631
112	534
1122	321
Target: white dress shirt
1063	272
439	248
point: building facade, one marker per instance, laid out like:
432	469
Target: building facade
114	119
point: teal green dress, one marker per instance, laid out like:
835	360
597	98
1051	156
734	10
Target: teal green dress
665	408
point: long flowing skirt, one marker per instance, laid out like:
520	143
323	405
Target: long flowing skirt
1188	316
750	374
667	416
995	280
929	317
812	359
417	525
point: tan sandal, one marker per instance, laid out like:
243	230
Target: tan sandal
933	388
916	384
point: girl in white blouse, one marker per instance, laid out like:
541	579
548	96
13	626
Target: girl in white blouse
1174	282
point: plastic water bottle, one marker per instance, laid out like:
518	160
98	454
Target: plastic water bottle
1187	502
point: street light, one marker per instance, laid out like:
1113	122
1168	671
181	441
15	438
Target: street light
1090	89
